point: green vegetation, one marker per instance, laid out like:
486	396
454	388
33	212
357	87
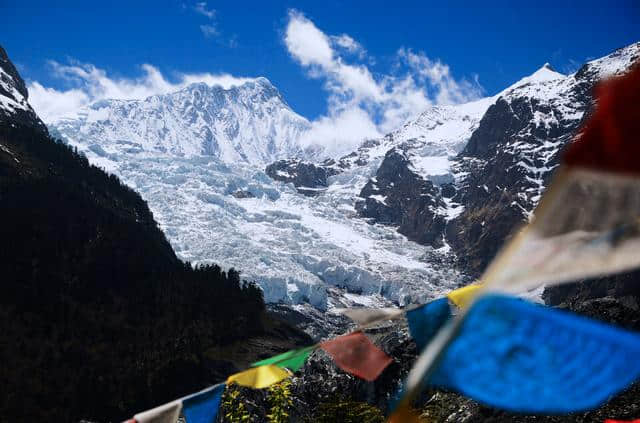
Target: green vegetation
280	402
233	406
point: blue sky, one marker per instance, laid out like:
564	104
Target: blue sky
484	47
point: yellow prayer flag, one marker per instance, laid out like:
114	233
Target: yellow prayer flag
259	377
462	296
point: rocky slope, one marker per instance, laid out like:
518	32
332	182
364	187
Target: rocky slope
308	178
14	105
510	158
497	179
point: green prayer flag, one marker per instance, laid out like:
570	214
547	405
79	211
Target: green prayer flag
292	360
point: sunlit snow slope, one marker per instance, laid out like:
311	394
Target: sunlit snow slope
250	123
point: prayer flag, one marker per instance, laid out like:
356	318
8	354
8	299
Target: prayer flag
622	421
609	140
461	297
291	360
202	407
259	377
356	354
526	358
167	413
425	321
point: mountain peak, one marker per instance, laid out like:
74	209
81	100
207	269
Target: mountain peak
263	81
545	73
248	122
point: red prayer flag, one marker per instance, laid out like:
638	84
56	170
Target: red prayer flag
610	139
622	421
356	354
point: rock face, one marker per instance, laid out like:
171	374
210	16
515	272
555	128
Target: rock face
510	158
399	196
14	107
308	178
497	179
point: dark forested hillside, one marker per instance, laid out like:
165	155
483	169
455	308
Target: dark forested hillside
98	317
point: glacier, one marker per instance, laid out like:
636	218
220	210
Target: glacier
197	157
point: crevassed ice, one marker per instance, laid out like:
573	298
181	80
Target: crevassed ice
293	246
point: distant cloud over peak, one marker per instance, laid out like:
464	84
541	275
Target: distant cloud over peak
88	83
363	104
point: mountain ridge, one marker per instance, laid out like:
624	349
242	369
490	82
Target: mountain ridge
247	123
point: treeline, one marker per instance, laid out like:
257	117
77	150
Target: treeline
98	317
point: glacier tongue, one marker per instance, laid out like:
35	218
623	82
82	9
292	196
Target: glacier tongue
295	247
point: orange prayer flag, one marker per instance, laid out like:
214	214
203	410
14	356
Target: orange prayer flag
356	354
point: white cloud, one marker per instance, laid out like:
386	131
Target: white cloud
438	75
349	45
212	29
202	8
360	104
89	84
306	43
209	30
49	102
336	132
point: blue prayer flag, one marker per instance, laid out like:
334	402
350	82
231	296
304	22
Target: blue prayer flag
526	358
202	407
426	320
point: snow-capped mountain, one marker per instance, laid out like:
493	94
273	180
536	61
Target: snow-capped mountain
499	176
381	225
198	158
14	105
510	158
249	123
